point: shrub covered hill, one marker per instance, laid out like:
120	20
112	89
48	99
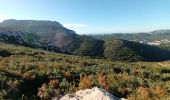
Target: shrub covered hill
160	37
52	36
32	74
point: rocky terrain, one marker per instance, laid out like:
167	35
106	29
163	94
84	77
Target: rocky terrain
90	94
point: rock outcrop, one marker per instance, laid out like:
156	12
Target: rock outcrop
90	94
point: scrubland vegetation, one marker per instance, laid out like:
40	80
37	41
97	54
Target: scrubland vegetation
29	74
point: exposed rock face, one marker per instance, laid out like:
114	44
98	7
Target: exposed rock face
11	36
50	31
90	94
51	36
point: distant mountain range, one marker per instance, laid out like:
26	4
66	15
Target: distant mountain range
157	35
52	36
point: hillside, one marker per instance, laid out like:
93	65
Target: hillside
30	74
49	35
133	51
52	36
157	37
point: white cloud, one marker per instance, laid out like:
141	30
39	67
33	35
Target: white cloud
75	25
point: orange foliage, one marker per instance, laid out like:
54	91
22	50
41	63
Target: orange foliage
141	94
67	74
54	83
4	62
102	81
42	91
16	72
48	91
26	75
42	65
85	82
159	91
57	65
124	76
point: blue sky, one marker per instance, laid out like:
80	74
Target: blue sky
93	16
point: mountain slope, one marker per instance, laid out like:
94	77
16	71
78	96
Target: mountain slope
31	74
133	51
12	36
52	36
50	32
157	35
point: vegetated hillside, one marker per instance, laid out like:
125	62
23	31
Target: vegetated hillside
12	36
145	37
52	36
29	74
133	51
125	36
160	34
90	46
49	35
165	46
159	37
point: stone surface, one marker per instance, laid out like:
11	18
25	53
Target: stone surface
90	94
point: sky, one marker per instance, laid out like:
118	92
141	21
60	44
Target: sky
93	16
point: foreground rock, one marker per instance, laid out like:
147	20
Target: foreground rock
90	94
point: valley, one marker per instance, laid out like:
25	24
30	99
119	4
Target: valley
84	50
52	36
42	60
